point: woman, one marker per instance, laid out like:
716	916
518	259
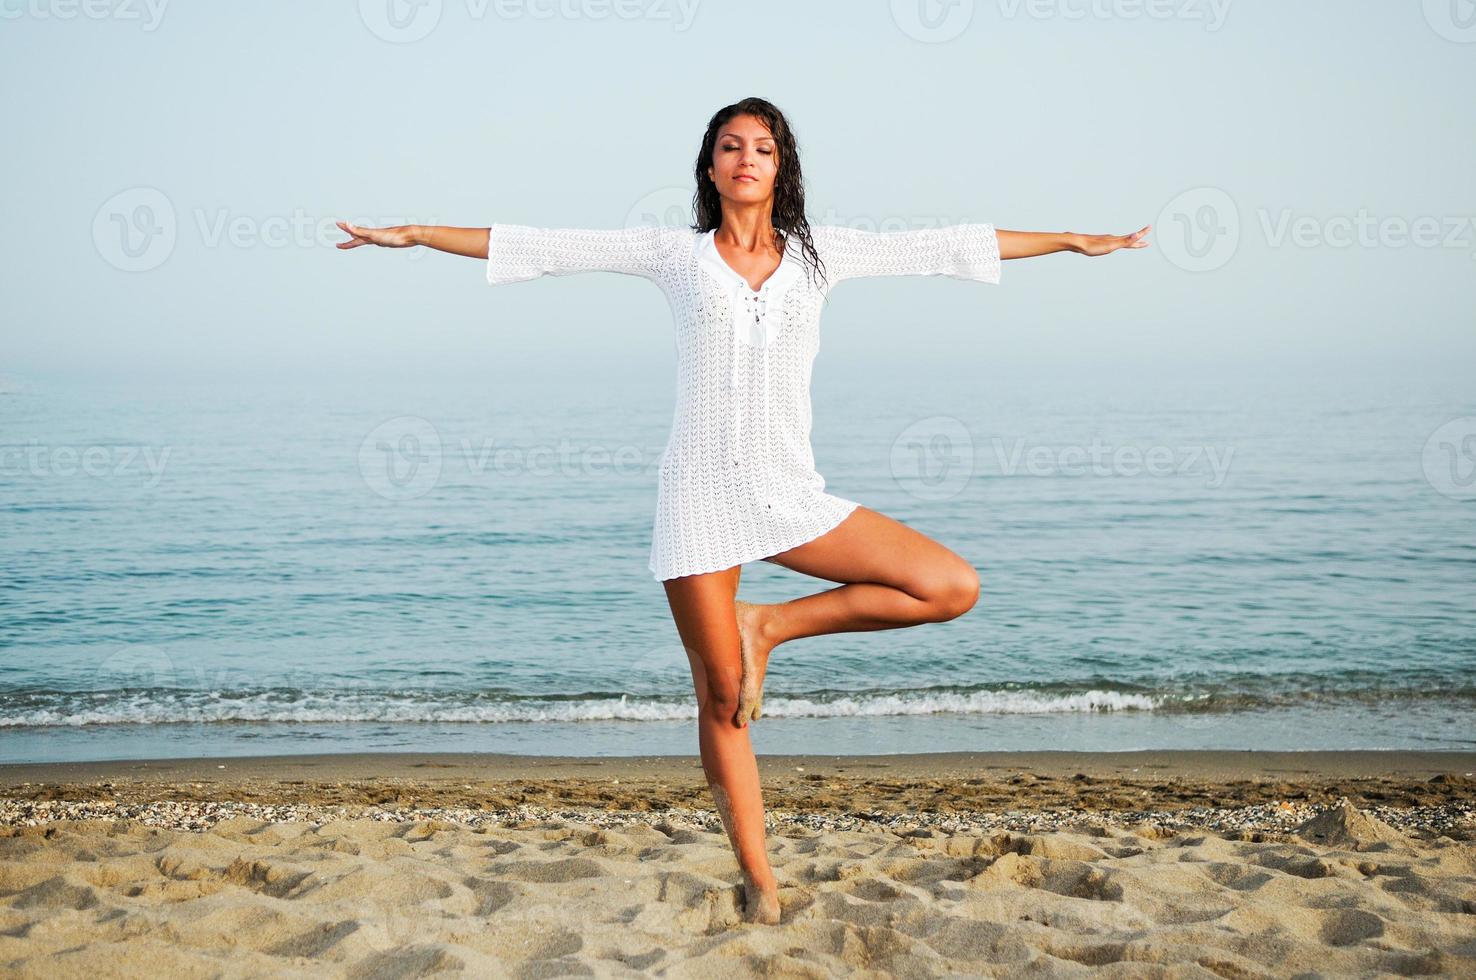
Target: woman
737	481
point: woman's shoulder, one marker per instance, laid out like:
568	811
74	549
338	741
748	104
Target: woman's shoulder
669	238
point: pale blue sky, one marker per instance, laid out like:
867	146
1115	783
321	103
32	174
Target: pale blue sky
1294	120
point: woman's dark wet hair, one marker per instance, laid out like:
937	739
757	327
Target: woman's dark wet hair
788	215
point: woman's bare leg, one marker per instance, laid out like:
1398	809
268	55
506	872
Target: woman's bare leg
702	606
895	576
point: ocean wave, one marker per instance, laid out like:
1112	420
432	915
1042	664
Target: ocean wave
163	706
155	707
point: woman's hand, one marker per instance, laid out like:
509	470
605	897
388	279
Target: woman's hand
1024	244
471	242
399	236
1102	244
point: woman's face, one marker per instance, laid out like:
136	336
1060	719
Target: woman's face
745	161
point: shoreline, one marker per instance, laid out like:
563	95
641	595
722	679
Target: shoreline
1421	792
1214	763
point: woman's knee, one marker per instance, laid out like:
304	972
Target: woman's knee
953	593
718	694
716	685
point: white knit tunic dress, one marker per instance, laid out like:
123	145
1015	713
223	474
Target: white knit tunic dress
737	480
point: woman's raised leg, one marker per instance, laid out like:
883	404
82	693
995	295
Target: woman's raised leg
702	606
895	576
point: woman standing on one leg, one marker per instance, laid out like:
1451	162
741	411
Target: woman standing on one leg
737	482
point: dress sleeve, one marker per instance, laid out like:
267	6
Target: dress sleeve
963	251
516	253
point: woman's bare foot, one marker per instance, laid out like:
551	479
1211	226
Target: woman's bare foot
756	644
760	904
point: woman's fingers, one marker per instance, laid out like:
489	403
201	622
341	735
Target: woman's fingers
1102	244
398	236
368	236
352	230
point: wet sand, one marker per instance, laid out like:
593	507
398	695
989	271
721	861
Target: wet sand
892	784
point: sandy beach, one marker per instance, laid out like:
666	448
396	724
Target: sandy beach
1157	863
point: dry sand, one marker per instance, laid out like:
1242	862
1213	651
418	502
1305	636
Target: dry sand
1231	864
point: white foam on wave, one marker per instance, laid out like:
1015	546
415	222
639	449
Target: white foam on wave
207	707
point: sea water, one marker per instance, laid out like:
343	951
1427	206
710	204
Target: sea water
250	568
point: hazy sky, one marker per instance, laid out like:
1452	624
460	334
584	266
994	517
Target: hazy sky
172	172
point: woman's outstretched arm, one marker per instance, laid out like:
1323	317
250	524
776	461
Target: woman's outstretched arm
471	242
1023	244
